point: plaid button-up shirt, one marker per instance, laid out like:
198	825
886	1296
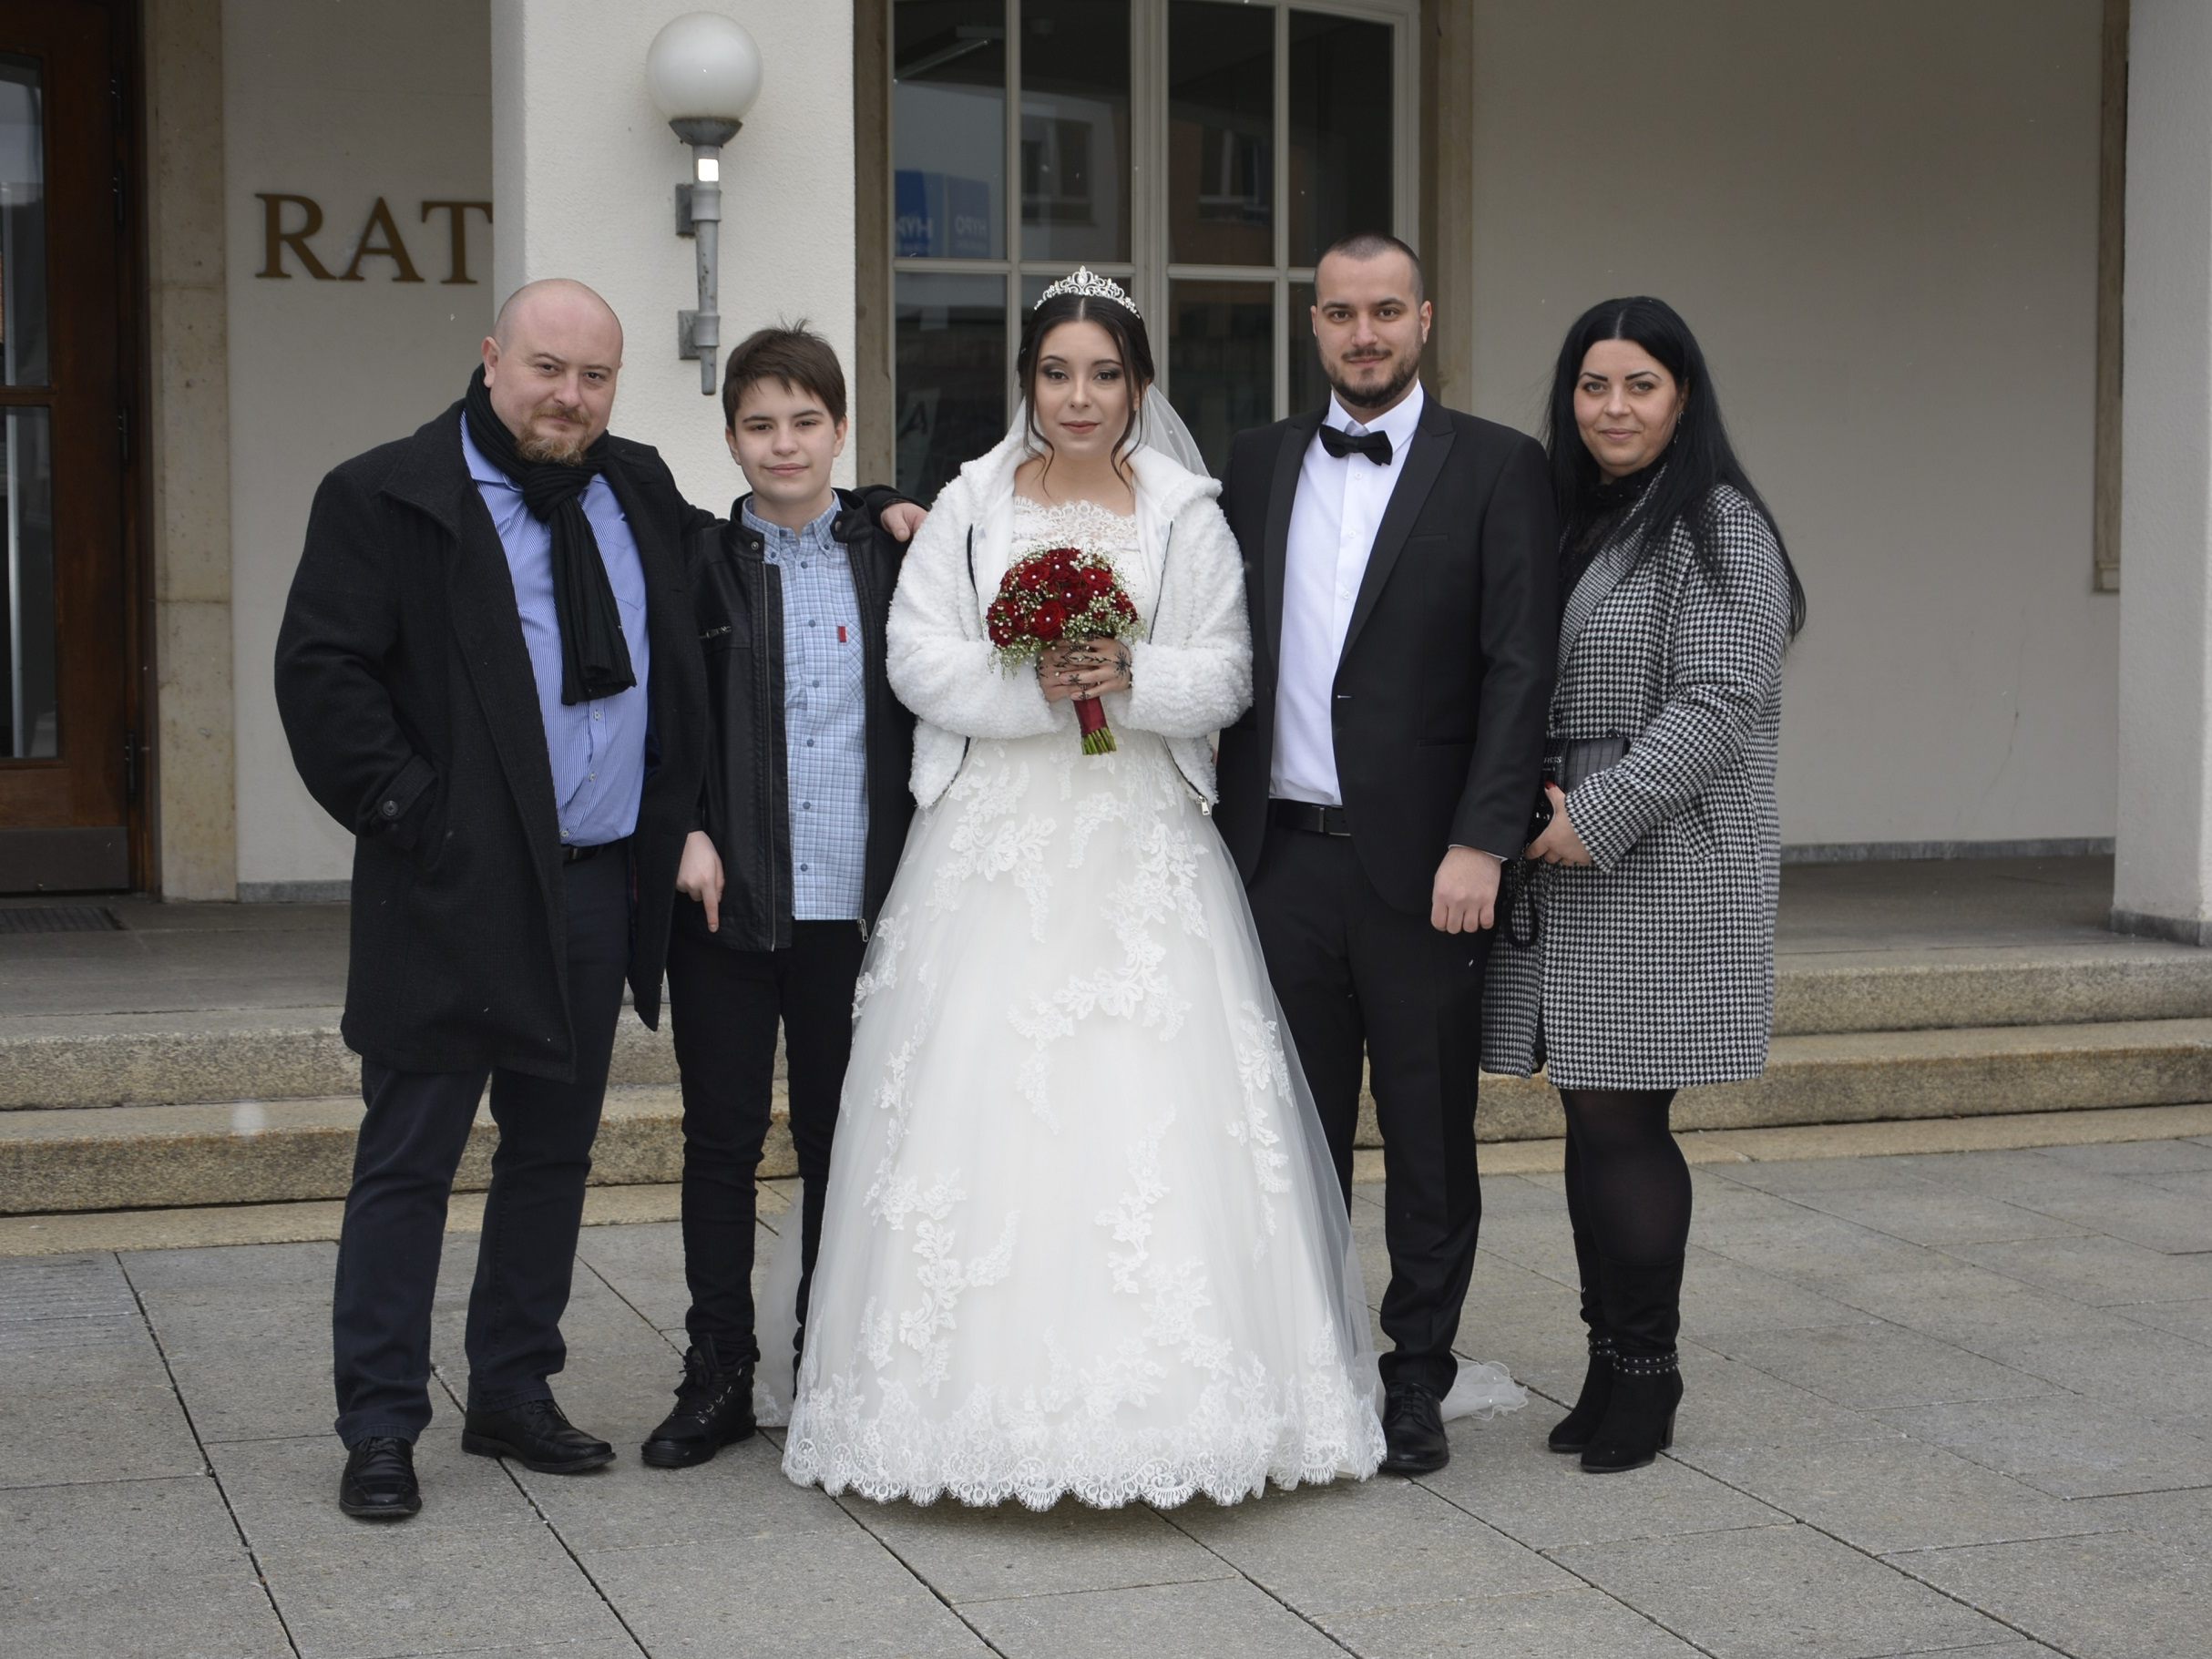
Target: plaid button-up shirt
826	717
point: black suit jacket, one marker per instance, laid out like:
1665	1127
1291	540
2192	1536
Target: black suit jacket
1441	694
407	696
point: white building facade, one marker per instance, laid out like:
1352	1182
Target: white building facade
1951	264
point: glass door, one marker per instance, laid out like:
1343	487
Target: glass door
1201	152
66	762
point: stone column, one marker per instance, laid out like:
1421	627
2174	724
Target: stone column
584	171
195	775
2163	884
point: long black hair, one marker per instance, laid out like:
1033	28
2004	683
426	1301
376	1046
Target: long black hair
1123	326
1698	461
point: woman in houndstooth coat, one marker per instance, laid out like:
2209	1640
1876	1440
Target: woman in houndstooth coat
1651	894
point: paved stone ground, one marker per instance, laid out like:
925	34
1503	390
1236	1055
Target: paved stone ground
1954	1404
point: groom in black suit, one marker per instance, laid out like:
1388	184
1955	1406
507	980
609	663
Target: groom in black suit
1400	563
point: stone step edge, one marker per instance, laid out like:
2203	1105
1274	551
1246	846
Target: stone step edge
317	1220
51	1063
257	1152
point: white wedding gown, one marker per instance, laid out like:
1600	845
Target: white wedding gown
1082	1234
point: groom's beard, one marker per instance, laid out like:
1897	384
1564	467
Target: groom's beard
1355	399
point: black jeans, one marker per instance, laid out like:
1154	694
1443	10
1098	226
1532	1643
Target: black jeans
1358	980
726	1005
410	1145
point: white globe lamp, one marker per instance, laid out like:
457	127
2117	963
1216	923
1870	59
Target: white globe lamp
703	71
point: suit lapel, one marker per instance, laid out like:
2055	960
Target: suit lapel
1281	496
1606	573
1424	462
488	627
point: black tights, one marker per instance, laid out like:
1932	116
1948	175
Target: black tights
1628	1187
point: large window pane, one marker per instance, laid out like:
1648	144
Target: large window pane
1075	169
1221	134
950	347
28	704
1309	385
948	128
22	225
1221	356
1342	108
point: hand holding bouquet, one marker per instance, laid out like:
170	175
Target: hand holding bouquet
1055	595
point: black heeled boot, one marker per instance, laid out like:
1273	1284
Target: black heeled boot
1572	1433
1643	1308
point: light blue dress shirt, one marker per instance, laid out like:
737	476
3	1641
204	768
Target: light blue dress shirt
597	748
826	717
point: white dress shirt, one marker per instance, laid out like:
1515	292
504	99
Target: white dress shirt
1333	520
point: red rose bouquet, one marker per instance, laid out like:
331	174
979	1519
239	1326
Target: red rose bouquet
1055	594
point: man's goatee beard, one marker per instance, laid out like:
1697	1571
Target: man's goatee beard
1383	396
539	451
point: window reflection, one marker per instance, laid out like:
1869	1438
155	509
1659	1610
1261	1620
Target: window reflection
1220	350
948	128
949	335
1221	134
22	225
1341	117
1075	165
1308	384
28	684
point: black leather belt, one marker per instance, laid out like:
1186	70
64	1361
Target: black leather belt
578	854
1315	819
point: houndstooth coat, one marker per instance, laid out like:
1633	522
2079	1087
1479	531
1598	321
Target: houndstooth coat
1653	968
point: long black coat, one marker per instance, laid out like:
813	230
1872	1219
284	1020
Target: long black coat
738	598
1440	694
407	696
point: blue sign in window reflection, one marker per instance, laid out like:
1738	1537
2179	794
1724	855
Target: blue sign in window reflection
943	216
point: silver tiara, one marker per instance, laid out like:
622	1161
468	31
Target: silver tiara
1088	283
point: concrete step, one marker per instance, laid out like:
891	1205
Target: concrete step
54	1062
124	1157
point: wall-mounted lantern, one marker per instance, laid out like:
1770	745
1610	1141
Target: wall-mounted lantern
704	72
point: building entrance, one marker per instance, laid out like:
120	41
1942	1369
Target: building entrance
70	762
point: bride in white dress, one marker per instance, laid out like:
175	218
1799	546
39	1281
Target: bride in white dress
1082	1234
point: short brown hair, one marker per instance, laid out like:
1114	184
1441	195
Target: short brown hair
790	353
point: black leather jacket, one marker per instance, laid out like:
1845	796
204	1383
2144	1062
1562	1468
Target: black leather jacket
744	803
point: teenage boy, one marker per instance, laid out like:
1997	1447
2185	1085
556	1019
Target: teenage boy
803	814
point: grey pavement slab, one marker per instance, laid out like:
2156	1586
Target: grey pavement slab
308	1269
2191	1320
2099	1271
283	1494
980	1556
250	1370
1721	1296
2154	1372
130	1567
822	1595
1375	1544
1220	1619
2115	1205
2134	1157
2066	1445
742	1491
2114	1595
1772	1593
1885	1495
1544	1501
644	1266
1728	1403
1938	1215
1873	1364
1580	1623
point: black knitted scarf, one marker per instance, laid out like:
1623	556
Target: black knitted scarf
594	656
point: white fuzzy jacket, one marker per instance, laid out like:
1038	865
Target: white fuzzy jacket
1191	667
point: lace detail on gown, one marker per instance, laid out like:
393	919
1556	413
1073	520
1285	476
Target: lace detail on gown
1082	1234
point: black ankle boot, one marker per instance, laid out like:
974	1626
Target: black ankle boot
1572	1432
1639	1421
1644	1309
713	1410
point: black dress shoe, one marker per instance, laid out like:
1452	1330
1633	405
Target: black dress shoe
536	1436
1413	1431
713	1410
379	1481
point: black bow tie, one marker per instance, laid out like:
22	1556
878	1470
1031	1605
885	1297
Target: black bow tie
1375	446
